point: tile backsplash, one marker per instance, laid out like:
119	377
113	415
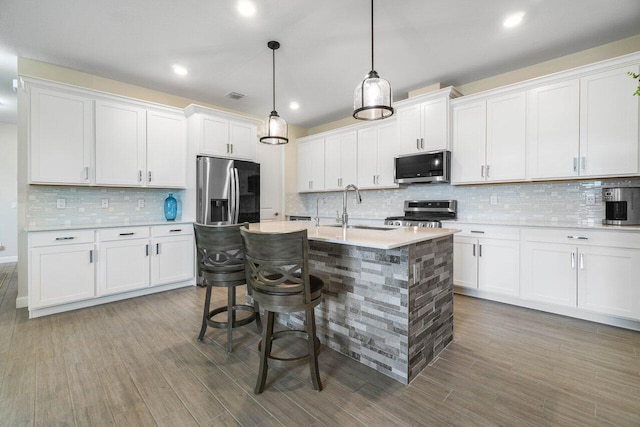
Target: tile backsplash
84	205
564	201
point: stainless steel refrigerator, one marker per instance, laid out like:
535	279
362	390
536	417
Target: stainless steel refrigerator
228	191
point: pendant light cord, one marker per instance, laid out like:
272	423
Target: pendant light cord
274	79
372	69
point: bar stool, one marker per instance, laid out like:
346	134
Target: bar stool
221	259
277	268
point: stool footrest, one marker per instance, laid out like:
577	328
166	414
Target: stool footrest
236	323
279	362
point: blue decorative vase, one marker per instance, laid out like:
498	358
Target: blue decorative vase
170	208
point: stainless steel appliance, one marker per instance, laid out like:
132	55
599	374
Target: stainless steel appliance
621	205
425	213
434	166
228	191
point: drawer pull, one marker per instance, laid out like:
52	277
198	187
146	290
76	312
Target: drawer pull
578	237
127	234
175	230
65	238
91	256
477	231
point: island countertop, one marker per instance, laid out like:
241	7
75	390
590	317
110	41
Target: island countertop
383	238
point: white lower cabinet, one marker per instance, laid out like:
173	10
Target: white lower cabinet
485	263
173	254
594	271
87	267
124	266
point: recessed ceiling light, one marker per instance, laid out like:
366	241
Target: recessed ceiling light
513	20
246	8
180	70
294	105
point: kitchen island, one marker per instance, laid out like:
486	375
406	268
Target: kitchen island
388	295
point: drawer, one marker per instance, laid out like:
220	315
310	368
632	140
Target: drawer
576	236
123	233
171	230
55	238
485	231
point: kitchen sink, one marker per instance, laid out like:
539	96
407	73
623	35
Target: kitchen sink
362	227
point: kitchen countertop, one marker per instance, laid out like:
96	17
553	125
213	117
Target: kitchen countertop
546	224
97	226
392	237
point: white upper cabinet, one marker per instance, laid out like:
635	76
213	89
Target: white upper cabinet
340	161
553	126
311	165
609	123
489	138
469	140
216	133
506	138
377	147
61	137
166	149
425	126
120	144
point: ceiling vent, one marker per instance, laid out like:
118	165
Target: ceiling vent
234	95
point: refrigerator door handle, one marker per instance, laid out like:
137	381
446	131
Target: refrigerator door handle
232	196
237	193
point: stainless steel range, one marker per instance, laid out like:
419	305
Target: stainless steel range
425	213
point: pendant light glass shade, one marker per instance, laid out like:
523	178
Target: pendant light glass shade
274	128
373	97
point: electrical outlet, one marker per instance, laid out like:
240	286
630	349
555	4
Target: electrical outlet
61	203
141	203
591	199
494	199
105	203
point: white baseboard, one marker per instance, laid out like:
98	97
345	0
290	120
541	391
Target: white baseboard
8	259
22	302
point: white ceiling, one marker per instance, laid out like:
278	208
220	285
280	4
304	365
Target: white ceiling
325	44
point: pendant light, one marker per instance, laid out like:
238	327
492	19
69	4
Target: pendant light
373	97
274	127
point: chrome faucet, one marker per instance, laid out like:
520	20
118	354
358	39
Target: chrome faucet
318	210
345	215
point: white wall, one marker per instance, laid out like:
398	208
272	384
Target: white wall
8	192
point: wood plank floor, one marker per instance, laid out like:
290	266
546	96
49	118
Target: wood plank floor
138	363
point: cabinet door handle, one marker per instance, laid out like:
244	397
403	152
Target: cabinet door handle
86	172
146	249
482	171
583	163
581	261
417	143
374	179
127	234
91	256
578	237
157	248
422	143
488	171
65	238
575	164
231	148
474	249
479	250
149	176
573	260
139	176
227	148
311	185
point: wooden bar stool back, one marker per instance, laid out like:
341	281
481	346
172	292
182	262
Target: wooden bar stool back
278	272
221	260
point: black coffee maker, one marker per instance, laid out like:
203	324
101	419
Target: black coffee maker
621	205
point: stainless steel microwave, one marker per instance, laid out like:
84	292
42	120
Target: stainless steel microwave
434	166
